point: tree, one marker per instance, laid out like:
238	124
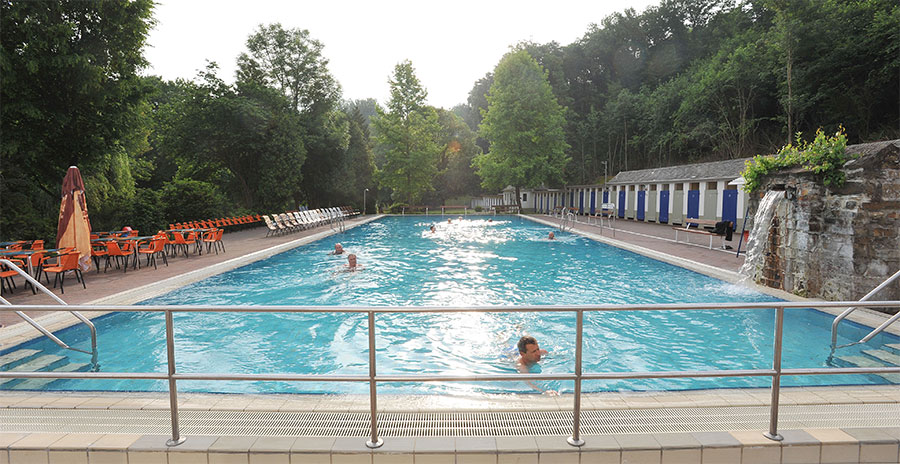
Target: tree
290	61
525	126
71	95
455	173
407	133
361	158
244	139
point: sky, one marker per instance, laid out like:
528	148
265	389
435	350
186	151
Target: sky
450	44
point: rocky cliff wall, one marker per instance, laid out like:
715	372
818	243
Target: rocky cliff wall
835	244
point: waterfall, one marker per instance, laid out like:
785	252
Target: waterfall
762	247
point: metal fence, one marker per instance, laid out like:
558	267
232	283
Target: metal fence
578	376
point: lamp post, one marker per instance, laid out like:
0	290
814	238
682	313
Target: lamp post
605	175
364	201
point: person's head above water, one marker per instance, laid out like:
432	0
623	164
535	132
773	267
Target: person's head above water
529	351
552	236
432	228
338	248
351	261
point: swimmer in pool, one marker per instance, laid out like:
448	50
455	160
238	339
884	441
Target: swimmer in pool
432	228
551	236
530	354
338	249
351	263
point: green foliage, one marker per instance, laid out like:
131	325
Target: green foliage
397	207
824	155
407	134
478	209
703	80
187	199
525	126
245	139
71	96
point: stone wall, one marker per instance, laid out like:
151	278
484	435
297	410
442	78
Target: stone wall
832	244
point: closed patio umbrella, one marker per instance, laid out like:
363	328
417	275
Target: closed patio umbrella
74	229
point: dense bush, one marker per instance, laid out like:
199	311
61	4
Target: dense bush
186	199
823	155
397	208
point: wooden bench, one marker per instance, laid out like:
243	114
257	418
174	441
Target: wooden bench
689	222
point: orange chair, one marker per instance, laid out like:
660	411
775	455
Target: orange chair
98	250
67	262
6	275
177	242
120	252
212	239
156	246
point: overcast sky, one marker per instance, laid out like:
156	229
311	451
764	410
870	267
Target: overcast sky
451	44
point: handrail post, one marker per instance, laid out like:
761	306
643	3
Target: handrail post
176	439
575	439
374	441
773	434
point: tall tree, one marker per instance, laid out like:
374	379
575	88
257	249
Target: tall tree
407	133
525	126
361	158
292	62
71	96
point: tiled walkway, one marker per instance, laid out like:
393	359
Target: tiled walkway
30	422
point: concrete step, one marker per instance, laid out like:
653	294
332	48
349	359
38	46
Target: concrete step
39	384
884	356
46	362
14	358
892	347
865	361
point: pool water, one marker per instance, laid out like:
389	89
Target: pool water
471	261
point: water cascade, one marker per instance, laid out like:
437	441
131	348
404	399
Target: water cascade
763	260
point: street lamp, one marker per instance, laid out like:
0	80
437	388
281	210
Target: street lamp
364	201
605	174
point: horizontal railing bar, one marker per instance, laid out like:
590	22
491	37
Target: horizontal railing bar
841	370
84	375
456	309
679	374
448	378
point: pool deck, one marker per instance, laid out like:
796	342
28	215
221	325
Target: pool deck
641	427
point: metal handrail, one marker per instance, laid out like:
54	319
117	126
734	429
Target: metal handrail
59	300
840	317
374	441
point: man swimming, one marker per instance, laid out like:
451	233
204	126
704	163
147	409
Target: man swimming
338	249
530	354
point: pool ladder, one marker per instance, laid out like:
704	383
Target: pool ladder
877	330
95	366
567	221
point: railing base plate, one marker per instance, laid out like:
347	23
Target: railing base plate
376	444
572	441
776	437
170	442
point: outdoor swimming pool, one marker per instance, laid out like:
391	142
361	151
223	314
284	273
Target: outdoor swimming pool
468	262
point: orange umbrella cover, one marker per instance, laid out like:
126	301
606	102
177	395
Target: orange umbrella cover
74	229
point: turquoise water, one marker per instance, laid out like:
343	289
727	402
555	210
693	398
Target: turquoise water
507	261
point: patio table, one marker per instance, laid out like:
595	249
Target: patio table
28	253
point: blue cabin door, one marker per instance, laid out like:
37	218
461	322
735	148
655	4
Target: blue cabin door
693	211
663	206
593	201
606	197
581	202
729	206
641	204
621	203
